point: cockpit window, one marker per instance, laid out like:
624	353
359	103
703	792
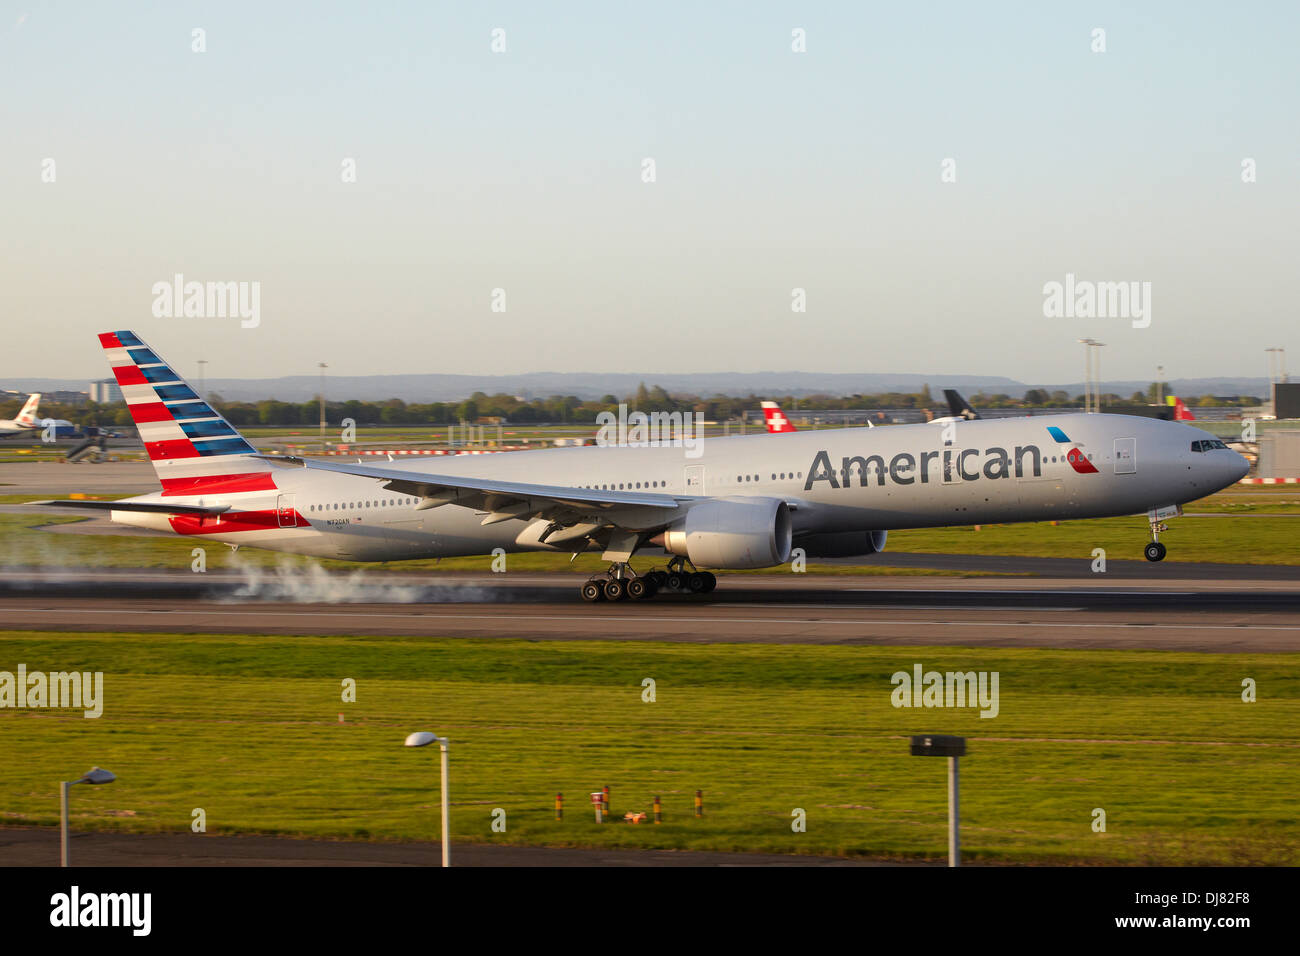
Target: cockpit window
1207	445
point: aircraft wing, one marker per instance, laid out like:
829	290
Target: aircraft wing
504	500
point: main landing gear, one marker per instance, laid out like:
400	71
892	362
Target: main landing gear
620	582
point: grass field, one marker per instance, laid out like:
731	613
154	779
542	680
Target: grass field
246	727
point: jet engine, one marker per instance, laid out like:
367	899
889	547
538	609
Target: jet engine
843	544
736	532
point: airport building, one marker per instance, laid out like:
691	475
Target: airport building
1279	453
105	392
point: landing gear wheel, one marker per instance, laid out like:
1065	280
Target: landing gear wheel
710	581
641	588
615	590
1155	551
676	581
592	592
697	582
658	578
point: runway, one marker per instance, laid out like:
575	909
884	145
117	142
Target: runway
1047	603
36	846
1184	615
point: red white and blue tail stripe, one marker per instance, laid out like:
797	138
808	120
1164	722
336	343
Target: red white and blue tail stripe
183	436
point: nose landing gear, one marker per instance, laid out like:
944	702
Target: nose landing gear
1155	551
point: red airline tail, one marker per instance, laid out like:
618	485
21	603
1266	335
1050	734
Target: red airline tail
776	421
191	446
1181	412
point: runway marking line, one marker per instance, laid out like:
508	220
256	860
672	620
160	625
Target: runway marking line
693	620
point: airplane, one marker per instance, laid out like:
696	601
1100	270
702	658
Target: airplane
778	424
959	408
775	420
1181	412
24	421
730	503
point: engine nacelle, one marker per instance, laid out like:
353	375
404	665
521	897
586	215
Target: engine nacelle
843	544
736	533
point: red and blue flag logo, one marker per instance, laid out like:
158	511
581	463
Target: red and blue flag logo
1075	456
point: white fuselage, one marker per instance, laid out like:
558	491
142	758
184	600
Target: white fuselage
999	470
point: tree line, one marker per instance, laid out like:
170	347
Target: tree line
571	410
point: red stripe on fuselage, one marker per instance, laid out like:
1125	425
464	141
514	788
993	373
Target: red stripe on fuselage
172	448
218	484
129	375
151	412
231	522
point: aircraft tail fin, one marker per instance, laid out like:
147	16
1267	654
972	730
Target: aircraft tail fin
27	417
775	419
958	406
1181	412
188	441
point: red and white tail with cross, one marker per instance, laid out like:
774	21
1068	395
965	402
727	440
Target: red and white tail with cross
776	421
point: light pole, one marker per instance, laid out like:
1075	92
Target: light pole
202	389
1160	384
1096	346
94	776
1087	373
323	367
422	739
942	745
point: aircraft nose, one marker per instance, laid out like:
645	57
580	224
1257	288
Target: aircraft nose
1240	468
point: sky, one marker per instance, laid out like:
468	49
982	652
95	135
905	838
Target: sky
774	170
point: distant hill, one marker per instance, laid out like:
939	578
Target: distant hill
588	385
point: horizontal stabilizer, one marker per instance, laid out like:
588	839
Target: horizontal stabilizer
152	507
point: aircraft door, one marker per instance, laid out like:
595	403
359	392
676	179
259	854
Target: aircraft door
1126	456
284	511
695	479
